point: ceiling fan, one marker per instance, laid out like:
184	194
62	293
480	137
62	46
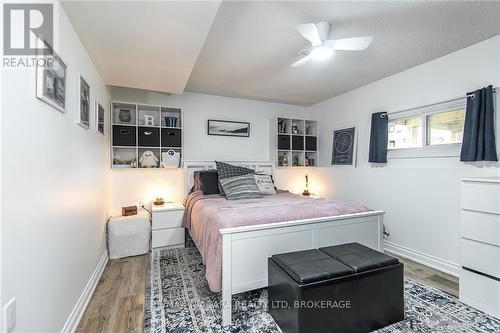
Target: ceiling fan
321	47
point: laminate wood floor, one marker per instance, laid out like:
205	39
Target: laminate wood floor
117	304
430	276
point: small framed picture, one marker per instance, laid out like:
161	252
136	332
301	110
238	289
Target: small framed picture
51	79
83	103
99	121
228	128
344	146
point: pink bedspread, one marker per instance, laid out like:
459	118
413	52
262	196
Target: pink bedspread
205	215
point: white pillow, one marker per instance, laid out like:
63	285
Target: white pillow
265	184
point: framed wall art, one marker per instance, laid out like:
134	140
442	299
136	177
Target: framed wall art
228	128
51	79
83	103
99	114
344	146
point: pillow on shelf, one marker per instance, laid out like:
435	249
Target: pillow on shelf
265	184
226	170
240	187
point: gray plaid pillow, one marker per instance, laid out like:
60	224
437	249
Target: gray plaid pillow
226	170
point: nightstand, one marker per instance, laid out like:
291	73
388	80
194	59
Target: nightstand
167	230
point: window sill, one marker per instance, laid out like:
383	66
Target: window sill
452	150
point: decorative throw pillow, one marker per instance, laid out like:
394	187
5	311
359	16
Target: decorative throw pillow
240	187
226	170
265	184
209	182
206	181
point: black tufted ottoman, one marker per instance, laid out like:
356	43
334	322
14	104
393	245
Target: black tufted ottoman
343	288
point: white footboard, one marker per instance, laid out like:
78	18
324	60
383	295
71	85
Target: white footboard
245	249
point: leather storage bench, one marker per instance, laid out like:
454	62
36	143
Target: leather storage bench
342	288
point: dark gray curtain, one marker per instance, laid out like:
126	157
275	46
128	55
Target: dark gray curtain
478	142
378	138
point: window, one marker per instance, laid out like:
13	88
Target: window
405	133
445	128
435	130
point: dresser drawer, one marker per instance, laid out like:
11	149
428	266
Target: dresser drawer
480	292
484	258
481	226
168	237
167	219
481	196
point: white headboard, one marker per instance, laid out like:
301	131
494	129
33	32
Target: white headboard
191	166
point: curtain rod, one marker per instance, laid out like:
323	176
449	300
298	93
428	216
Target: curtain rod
473	95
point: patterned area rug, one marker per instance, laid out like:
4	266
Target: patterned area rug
178	300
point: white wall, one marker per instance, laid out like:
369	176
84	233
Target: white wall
132	186
421	196
55	192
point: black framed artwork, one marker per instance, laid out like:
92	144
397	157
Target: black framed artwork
228	128
344	146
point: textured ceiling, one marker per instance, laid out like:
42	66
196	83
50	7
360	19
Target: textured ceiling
143	44
251	45
245	48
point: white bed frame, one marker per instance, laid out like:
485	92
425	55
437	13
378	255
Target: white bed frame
245	249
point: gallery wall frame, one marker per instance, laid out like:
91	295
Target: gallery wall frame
83	102
51	77
99	117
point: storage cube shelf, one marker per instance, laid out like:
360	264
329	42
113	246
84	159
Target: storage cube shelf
294	142
140	128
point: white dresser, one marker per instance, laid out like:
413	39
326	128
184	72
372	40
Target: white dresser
480	244
167	230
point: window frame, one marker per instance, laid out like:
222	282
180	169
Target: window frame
427	150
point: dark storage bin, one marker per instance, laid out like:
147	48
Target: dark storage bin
149	137
124	135
284	142
311	143
297	142
171	137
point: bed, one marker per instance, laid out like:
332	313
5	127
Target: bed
235	237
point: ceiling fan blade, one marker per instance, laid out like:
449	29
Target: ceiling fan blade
301	61
323	30
351	44
309	32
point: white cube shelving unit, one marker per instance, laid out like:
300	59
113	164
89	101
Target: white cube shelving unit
145	130
294	142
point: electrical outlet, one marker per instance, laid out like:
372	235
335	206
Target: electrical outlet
9	316
141	204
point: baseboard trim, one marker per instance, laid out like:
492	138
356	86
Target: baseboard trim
422	258
76	314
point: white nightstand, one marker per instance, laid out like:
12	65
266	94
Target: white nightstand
167	230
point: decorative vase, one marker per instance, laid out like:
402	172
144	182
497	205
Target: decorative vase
170	121
125	116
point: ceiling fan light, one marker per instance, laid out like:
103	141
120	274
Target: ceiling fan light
321	53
